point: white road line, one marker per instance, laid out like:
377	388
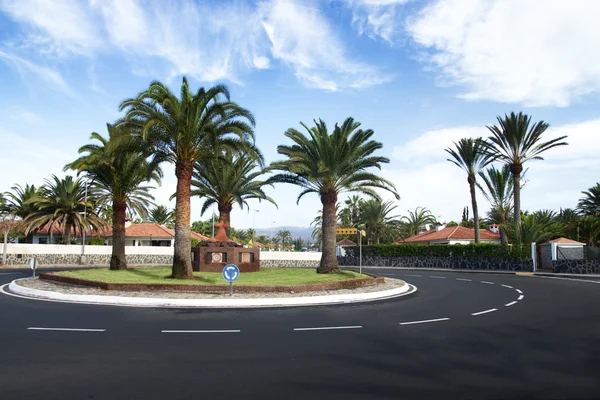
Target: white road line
519	291
464	280
520	297
566	279
12	273
416	276
487	283
37	328
424	321
202	331
327	328
506	286
437	277
485	312
512	303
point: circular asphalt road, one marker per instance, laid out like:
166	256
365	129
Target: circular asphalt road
462	335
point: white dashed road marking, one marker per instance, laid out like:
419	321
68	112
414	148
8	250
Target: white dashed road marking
37	328
424	321
521	297
485	312
487	283
506	286
512	303
464	280
203	331
437	277
415	276
327	328
518	291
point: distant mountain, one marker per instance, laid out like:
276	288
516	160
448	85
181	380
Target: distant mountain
296	231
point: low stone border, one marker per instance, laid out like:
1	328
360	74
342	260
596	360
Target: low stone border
135	287
229	302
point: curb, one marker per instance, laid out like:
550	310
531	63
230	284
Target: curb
464	271
36	294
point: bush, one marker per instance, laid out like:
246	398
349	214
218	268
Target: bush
95	241
195	242
441	250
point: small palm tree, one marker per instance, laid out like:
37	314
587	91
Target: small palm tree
330	164
498	190
472	156
589	230
418	220
284	236
63	203
536	227
227	180
379	224
590	203
514	142
162	215
187	130
118	167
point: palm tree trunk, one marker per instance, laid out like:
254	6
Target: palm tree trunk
182	258
517	201
474	206
329	261
118	259
67	233
225	216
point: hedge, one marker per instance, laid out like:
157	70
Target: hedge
440	250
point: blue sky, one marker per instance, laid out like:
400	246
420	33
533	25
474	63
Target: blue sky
421	74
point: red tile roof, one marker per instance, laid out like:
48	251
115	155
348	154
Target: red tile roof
452	233
345	242
563	240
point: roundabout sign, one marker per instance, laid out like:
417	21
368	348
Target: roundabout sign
231	273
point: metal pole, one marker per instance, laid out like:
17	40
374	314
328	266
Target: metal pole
254	227
230	288
84	225
360	252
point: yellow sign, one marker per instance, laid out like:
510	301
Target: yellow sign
349	231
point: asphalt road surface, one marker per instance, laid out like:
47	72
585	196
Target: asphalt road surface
460	336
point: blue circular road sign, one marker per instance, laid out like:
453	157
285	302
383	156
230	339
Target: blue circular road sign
231	273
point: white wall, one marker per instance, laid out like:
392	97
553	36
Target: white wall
25	248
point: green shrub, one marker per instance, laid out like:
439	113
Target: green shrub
95	241
195	242
440	250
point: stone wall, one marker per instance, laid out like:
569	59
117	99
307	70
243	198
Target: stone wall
576	266
475	263
91	259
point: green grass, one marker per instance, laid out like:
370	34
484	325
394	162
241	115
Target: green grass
266	277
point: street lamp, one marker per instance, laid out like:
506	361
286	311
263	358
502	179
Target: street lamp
254	226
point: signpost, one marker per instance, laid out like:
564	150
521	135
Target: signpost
231	273
33	264
354	231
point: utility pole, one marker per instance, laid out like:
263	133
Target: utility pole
254	226
83	260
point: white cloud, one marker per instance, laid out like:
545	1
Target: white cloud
536	52
26	68
377	18
424	177
207	41
20	114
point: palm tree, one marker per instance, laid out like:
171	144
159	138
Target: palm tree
590	203
471	155
417	220
118	167
330	164
498	191
162	215
514	143
589	229
227	180
63	203
379	224
187	130
536	227
18	203
284	236
317	233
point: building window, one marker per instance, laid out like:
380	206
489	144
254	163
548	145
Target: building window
43	240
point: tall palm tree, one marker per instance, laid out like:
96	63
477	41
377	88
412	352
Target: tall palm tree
417	220
379	224
227	180
514	142
590	203
186	130
330	164
284	236
64	203
162	215
589	230
472	156
118	167
498	190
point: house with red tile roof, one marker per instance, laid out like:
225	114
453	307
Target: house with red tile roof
453	235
